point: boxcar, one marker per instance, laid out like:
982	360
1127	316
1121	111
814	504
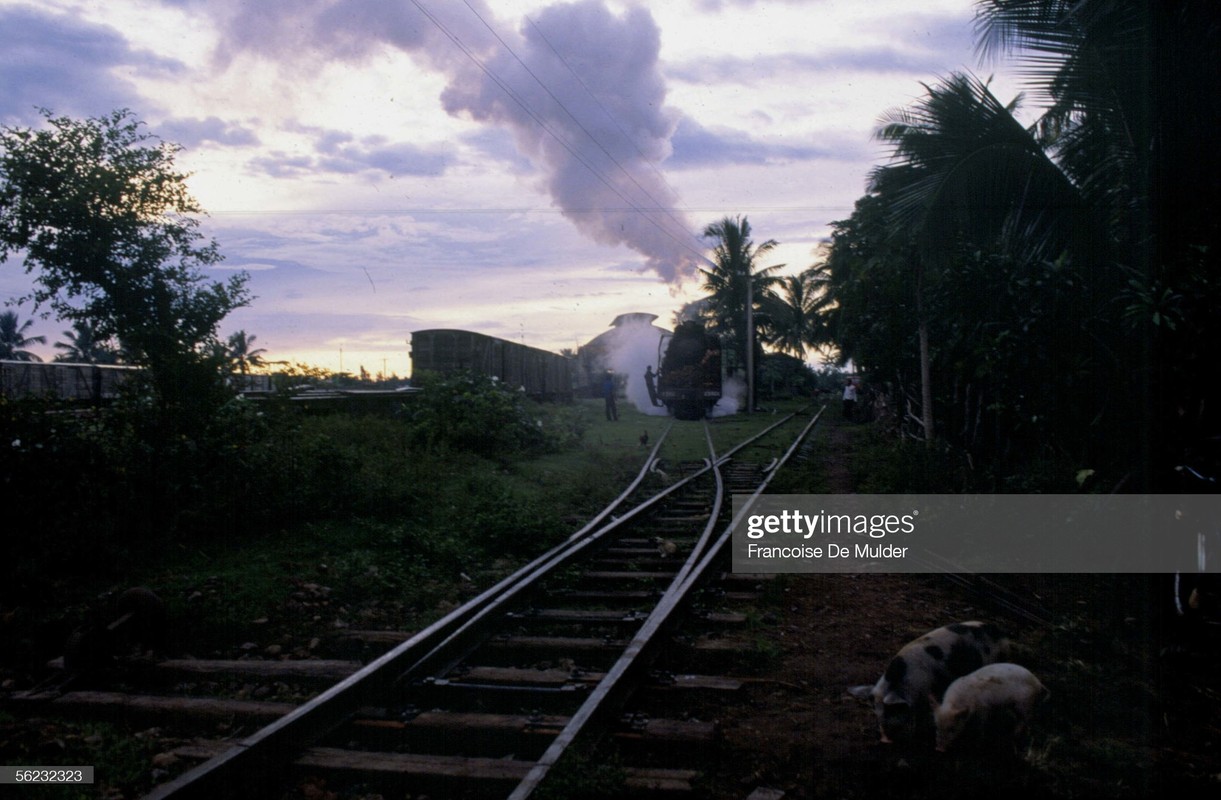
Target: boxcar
541	373
62	380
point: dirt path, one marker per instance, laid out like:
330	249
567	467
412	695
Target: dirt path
836	459
1122	722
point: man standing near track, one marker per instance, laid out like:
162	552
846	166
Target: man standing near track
608	392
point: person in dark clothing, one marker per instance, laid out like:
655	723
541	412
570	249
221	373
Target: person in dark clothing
650	383
608	392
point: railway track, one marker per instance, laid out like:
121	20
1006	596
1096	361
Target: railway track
485	702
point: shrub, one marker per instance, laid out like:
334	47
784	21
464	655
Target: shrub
475	413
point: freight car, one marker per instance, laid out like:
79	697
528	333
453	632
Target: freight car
541	373
91	383
690	379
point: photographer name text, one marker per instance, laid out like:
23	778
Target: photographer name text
823	524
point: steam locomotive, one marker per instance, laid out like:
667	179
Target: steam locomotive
690	379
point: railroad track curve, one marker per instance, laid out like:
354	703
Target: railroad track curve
486	701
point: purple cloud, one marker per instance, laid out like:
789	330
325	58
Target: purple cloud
67	65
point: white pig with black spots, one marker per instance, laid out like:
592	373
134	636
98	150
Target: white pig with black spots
925	668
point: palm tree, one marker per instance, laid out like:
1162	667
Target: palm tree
1130	92
1111	183
796	315
966	174
1090	63
964	167
13	339
739	294
733	277
241	355
83	346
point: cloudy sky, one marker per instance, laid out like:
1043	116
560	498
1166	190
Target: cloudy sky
524	168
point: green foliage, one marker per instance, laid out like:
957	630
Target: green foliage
478	414
1065	274
108	485
105	225
782	375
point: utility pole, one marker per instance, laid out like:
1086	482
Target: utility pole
750	342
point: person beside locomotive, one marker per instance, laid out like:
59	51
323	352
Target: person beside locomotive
650	383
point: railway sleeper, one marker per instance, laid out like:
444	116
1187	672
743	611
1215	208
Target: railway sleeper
496	697
713	654
621	576
684	539
517	650
142	708
637	596
614	617
437	731
528	735
691	505
313	672
576	622
653	563
680	523
551	676
707	654
446	776
657	681
645	552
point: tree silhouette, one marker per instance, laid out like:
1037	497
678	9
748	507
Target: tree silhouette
13	339
83	346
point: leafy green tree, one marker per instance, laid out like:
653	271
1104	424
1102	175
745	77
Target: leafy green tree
84	347
109	232
870	311
1062	276
1129	89
13	339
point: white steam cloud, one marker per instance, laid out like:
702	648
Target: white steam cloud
733	397
597	157
631	349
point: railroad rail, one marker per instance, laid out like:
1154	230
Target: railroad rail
529	665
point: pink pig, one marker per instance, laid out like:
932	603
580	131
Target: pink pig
994	701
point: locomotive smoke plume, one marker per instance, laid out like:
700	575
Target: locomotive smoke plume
633	348
596	159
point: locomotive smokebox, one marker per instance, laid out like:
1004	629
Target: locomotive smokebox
690	379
